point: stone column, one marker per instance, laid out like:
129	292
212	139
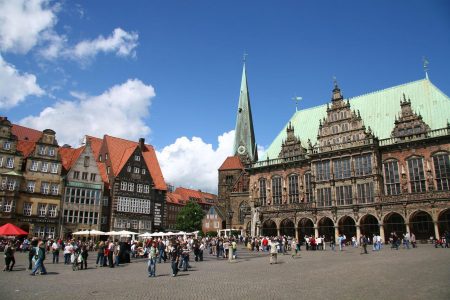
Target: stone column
408	229
383	238
336	233
358	233
436	229
296	232
316	231
278	230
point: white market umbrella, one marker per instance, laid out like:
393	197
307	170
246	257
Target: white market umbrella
125	232
112	233
147	234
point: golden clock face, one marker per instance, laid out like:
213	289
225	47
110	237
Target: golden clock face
241	150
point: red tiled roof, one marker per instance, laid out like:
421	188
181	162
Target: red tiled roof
187	194
232	163
125	157
174	199
69	156
25	133
96	145
26	147
154	168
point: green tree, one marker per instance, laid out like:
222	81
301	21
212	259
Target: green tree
190	217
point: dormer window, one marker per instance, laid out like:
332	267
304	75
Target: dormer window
41	150
137	158
136	170
129	169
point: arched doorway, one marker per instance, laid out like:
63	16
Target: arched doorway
305	227
347	226
444	221
287	228
393	222
269	228
369	226
326	228
421	224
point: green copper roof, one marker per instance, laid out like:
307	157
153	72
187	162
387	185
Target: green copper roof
378	110
244	135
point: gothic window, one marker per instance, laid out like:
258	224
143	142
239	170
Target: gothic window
344	195
243	210
341	168
323	170
262	191
276	190
363	165
309	193
391	178
365	192
416	175
293	189
324	197
442	171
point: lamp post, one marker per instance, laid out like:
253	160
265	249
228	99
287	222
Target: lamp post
230	248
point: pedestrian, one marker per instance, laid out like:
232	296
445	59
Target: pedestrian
100	254
175	257
32	252
111	254
294	249
364	242
152	254
40	257
332	243
84	256
68	249
55	252
116	253
10	261
233	248
273	252
413	240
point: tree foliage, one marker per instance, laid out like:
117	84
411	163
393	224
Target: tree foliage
190	217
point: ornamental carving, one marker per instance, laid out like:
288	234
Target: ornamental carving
291	147
409	124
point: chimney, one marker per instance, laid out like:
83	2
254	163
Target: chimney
142	144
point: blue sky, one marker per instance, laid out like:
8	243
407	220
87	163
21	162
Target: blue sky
83	56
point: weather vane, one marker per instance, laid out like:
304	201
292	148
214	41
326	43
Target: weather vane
296	99
334	81
425	66
244	57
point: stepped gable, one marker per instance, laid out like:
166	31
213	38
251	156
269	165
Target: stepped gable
409	123
292	146
232	163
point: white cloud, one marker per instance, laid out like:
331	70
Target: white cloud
120	42
15	86
192	163
22	23
119	111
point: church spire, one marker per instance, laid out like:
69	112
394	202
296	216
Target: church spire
244	141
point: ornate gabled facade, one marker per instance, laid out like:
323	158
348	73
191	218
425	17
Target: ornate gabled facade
373	167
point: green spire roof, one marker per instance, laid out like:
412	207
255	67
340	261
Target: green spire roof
378	110
244	141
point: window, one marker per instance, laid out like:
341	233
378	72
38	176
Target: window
12	184
84	176
55	189
324	197
52	210
129	169
93	175
100	158
207	225
416	175
123	186
45	188
30	186
131	187
365	192
42	209
137	170
143	171
108	170
276	190
76	174
363	165
344	195
341	168
126	204
7	145
1	161
105	201
86	161
41	150
10	162
442	171
27	206
146	188
106	156
51	151
323	170
8	205
104	220
139	188
54	168
244	209
293	189
44	167
309	193
34	165
391	178
137	158
262	191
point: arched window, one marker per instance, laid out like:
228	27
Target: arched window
293	189
244	209
309	193
416	174
262	191
276	190
442	171
391	178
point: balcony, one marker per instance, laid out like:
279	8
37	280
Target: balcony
416	197
430	134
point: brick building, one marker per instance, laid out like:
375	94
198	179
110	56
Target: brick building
375	163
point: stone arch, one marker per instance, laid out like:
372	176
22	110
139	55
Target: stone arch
269	228
393	222
369	225
244	209
421	224
444	221
305	227
287	227
347	227
326	227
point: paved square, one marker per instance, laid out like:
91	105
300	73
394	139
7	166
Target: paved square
422	273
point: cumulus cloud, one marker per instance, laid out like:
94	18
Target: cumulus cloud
119	111
16	86
22	22
192	163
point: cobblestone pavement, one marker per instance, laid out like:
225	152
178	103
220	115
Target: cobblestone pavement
422	273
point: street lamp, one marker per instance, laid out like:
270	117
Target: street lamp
230	217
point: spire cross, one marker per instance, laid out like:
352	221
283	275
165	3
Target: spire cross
425	66
296	99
